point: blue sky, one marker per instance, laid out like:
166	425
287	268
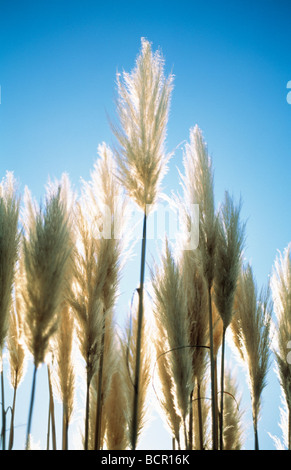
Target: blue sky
232	63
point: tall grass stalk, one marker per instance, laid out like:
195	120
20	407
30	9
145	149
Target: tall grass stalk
146	361
85	300
197	182
230	236
142	107
107	208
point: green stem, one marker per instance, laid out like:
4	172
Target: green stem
52	411
65	427
99	391
87	415
256	436
289	427
138	340
31	408
11	435
222	387
3	412
190	443
212	369
200	421
48	429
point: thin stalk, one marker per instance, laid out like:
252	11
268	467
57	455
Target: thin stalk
222	387
216	399
173	443
3	412
138	340
87	415
185	433
52	411
289	428
11	435
48	429
65	427
99	391
256	436
190	443
31	408
212	368
200	421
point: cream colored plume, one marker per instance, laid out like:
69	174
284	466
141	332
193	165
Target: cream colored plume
142	108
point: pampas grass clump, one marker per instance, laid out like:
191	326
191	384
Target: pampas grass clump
60	270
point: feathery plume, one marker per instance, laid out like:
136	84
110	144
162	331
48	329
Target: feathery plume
251	330
47	249
64	361
232	430
281	293
142	107
9	244
170	310
107	208
197	183
165	386
16	342
117	403
230	239
100	222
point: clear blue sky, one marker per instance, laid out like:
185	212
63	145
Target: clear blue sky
231	61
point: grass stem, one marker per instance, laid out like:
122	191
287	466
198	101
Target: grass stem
212	369
134	430
30	409
222	387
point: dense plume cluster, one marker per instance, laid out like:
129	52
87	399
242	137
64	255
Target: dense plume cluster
61	264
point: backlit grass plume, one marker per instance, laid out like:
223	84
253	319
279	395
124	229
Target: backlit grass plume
230	239
117	405
251	332
194	287
142	108
107	210
16	343
170	310
9	244
64	349
197	183
281	292
100	223
165	386
233	428
47	249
